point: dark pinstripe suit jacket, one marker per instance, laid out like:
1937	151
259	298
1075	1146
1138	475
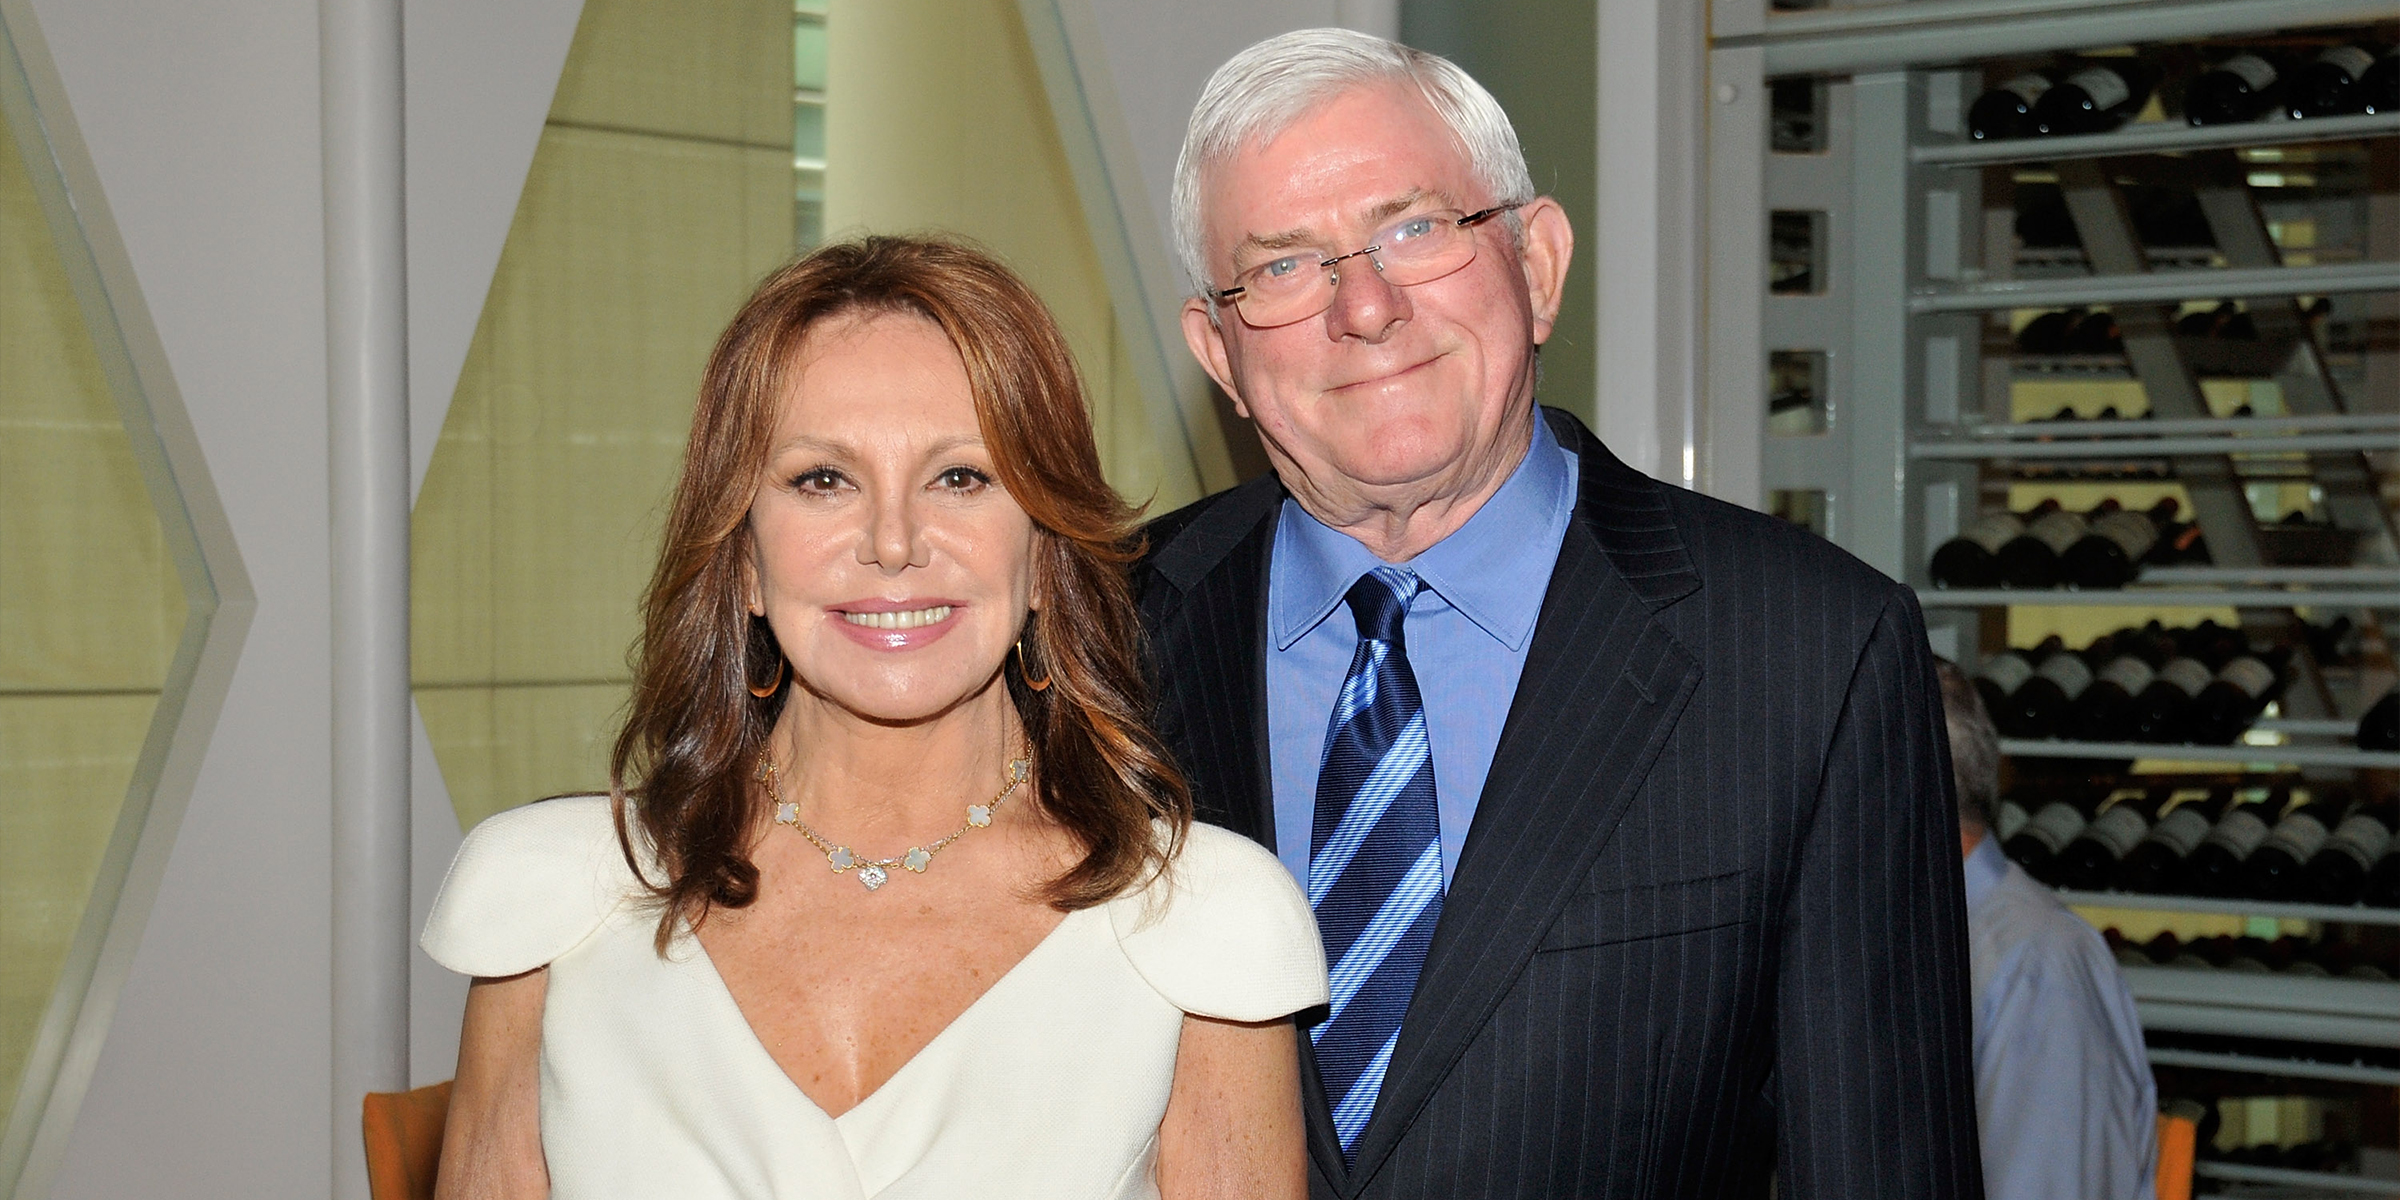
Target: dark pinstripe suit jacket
1708	921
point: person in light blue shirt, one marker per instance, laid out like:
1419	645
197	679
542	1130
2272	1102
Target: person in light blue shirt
2063	1090
1469	626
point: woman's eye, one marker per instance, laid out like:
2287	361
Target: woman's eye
962	479
820	479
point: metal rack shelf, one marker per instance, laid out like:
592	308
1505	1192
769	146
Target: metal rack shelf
2296	756
2283	1178
2161	598
1970	450
2157	138
2219	283
2323	576
2293	1068
2153	427
1943	31
2354	914
2346	1012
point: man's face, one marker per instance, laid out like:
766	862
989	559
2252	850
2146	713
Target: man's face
1392	394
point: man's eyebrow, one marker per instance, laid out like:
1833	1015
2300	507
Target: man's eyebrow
1301	237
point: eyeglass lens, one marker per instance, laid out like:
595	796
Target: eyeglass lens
1418	249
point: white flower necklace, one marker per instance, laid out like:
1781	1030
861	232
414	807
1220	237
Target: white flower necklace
875	872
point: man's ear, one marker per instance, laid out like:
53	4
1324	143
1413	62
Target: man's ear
1549	248
1207	340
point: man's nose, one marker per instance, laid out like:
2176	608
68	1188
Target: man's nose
1365	305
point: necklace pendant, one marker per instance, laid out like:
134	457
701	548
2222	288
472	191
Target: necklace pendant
917	858
872	876
787	813
979	815
841	858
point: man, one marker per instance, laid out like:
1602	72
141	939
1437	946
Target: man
2063	1090
1622	810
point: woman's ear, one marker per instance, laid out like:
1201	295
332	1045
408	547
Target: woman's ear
752	599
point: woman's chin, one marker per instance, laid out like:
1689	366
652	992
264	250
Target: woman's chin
906	701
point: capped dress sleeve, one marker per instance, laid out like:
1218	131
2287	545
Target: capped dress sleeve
1225	933
528	885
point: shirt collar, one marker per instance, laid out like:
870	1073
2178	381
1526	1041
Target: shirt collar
1986	866
1482	569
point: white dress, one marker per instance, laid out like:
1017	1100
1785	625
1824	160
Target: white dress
1051	1084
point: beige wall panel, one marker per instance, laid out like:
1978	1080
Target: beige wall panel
936	121
65	762
502	747
718	70
88	597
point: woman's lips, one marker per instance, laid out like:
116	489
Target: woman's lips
901	625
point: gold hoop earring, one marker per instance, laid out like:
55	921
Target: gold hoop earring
1039	685
772	688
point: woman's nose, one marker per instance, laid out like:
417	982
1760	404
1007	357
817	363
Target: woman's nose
894	537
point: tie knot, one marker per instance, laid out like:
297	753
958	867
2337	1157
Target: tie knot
1380	601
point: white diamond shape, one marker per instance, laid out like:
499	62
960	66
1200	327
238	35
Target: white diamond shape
787	813
872	876
979	815
841	858
917	858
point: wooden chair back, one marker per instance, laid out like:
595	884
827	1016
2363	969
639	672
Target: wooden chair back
404	1141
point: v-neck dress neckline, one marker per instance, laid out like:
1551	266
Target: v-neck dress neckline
1050	1084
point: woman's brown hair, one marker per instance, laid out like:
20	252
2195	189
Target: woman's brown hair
691	743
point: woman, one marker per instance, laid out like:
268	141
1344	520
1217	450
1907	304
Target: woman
895	893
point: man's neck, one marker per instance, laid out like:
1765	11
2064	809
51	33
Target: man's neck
1398	526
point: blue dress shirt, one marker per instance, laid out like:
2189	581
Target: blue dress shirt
1468	632
2063	1091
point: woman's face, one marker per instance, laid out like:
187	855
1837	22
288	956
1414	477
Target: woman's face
893	568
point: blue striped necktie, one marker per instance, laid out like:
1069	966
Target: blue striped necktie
1375	854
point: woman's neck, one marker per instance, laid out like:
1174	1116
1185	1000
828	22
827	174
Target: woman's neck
876	785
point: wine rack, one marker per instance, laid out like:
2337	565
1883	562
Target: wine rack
1897	279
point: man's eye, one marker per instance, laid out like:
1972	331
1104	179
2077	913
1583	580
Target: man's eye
1410	230
1280	268
962	479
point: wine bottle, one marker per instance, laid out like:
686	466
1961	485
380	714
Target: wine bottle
2162	713
2095	334
2051	830
2098	97
2226	706
2002	673
2242	88
2046	334
2030	560
2380	86
1971	560
2091	861
2338	874
2007	110
2379	729
2043	705
2383	883
2104	713
2274	870
2110	556
2012	817
2328	85
2157	864
2214	867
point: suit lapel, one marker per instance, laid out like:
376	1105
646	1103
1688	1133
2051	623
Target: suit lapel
1602	686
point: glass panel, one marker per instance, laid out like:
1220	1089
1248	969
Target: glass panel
1796	115
1796	400
1795	252
90	613
808	53
659	194
808	135
1804	507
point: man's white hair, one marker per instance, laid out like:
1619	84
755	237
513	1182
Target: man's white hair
1269	87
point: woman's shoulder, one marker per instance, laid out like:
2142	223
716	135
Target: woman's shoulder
1224	931
528	885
